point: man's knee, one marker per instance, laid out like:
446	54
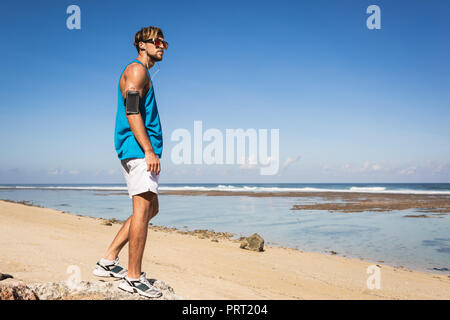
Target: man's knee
153	204
147	202
155	207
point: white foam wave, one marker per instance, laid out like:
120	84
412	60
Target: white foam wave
233	188
102	188
367	189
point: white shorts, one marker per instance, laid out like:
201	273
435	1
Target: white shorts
138	179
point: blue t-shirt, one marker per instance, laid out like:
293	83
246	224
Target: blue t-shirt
124	141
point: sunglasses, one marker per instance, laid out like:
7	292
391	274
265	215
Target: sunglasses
157	42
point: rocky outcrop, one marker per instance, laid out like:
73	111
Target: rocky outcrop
255	243
95	290
201	233
11	289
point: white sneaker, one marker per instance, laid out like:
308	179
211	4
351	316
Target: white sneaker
114	269
141	286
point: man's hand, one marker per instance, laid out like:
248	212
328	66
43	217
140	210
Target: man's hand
152	161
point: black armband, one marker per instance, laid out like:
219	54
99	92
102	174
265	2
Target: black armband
132	102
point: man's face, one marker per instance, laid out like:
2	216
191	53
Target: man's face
156	53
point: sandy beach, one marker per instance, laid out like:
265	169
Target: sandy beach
39	244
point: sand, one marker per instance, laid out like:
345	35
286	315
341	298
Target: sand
39	244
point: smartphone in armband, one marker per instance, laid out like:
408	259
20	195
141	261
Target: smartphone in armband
132	102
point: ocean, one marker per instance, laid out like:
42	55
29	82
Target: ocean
381	237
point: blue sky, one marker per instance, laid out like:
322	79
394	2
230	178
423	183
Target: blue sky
352	104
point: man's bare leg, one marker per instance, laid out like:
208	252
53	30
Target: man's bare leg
122	236
144	208
119	241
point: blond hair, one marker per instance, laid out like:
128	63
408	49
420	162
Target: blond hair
147	33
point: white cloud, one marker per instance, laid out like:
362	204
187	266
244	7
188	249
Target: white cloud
408	171
59	171
366	165
376	167
113	171
55	172
369	166
441	168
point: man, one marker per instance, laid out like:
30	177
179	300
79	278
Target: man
138	142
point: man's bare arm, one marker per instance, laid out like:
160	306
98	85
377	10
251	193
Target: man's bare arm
135	78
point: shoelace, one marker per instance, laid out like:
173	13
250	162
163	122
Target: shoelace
116	264
143	279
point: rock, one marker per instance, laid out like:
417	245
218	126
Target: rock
96	290
4	276
416	216
110	222
16	290
255	243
